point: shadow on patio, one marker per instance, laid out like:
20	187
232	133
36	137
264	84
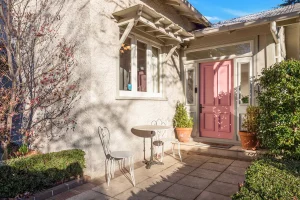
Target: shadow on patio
197	177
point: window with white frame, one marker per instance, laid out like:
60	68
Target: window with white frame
140	69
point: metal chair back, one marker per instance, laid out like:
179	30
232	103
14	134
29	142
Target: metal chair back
104	136
162	133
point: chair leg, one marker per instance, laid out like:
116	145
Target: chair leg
173	149
156	152
131	169
108	172
178	146
162	152
113	168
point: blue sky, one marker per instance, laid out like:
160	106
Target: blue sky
219	10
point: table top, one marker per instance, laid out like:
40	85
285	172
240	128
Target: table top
152	127
148	131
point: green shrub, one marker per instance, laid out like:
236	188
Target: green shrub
181	118
250	120
23	149
271	178
38	172
279	101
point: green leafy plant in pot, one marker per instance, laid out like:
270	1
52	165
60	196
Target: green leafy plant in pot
250	128
182	123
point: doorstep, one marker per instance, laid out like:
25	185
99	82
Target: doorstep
234	151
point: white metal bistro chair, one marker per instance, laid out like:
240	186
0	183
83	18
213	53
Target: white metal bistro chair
163	137
113	156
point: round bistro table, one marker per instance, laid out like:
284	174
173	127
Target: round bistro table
149	131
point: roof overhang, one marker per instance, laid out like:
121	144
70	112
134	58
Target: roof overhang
187	10
152	23
281	20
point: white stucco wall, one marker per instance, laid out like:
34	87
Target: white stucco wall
89	23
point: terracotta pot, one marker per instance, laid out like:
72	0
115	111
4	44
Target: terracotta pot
32	152
248	140
184	134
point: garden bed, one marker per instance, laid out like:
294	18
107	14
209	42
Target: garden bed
270	178
39	172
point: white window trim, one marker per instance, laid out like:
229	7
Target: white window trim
134	94
194	85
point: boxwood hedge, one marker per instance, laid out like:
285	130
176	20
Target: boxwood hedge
270	178
38	172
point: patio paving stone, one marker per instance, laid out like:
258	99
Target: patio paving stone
214	166
136	193
200	157
238	163
182	192
90	195
154	185
212	196
181	168
222	161
170	176
162	198
226	189
193	161
235	170
205	173
195	182
84	187
143	172
231	178
115	187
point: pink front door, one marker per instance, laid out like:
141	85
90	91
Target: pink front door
216	100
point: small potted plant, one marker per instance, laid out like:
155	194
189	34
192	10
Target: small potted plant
182	123
245	99
250	128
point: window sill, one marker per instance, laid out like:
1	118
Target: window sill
142	98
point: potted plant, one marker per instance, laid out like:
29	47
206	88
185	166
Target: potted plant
250	128
182	123
245	99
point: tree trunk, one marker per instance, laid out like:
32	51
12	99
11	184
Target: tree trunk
4	146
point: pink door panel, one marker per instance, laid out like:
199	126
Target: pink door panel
216	99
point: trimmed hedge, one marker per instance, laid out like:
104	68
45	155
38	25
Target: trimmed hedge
38	172
271	178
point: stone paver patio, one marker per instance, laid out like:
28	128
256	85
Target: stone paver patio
197	177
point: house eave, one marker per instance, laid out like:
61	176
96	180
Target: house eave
187	10
282	20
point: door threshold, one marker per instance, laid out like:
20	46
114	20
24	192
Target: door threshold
217	141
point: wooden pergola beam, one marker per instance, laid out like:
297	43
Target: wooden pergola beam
126	32
157	21
172	50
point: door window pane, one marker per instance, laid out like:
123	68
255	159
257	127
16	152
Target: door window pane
155	69
142	66
244	84
125	66
190	87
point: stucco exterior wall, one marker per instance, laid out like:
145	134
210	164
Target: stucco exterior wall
293	41
89	23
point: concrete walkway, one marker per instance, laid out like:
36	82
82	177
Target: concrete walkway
197	177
